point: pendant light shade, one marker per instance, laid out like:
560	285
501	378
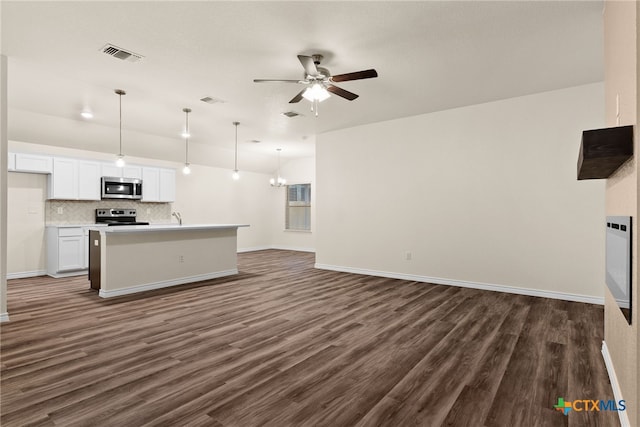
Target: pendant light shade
187	168
120	158
236	174
278	181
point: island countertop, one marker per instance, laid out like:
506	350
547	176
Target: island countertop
166	227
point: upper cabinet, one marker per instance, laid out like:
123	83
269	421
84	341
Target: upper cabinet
11	162
79	179
150	184
89	174
110	169
167	185
63	182
34	163
158	185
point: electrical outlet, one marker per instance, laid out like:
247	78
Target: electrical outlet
60	210
148	211
407	256
180	258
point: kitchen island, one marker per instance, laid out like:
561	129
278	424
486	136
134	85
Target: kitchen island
138	258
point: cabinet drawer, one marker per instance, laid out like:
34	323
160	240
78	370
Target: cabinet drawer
70	231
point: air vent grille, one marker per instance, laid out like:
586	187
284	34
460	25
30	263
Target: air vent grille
290	114
212	100
123	54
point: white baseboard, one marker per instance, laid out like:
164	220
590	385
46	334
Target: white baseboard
255	248
466	284
293	248
69	274
165	284
25	274
4	317
615	385
282	248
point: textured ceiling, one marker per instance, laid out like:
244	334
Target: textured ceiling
430	56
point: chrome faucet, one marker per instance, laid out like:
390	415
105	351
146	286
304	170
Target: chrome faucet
178	217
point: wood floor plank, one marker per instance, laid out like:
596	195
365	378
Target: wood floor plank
284	344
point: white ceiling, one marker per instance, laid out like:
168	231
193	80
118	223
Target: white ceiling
429	55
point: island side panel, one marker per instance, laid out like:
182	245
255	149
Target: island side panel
135	262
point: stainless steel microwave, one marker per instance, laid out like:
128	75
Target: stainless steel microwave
121	188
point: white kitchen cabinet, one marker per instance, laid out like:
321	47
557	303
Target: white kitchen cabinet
11	162
167	185
150	184
63	182
74	179
66	251
110	169
132	172
34	163
89	180
158	185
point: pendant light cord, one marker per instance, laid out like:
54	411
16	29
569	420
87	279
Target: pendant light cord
120	98
187	135
236	159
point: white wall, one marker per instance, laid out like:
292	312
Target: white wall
295	171
484	194
210	195
25	215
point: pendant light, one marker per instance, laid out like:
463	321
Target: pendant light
236	175
120	159
278	181
187	169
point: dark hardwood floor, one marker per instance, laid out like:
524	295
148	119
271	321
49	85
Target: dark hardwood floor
283	344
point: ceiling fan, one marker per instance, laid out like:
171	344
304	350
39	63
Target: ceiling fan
320	82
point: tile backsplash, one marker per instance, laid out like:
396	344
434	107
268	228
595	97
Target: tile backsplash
84	212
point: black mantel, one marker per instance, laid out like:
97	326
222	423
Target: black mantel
602	151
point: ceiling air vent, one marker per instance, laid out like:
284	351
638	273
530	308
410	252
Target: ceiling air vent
120	53
290	114
211	100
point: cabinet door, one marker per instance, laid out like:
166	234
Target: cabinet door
11	162
64	179
132	172
33	163
150	185
167	185
70	253
89	180
110	169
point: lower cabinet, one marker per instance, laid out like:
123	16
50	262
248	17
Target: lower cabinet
67	250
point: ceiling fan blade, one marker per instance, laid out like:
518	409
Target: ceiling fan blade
341	92
358	75
297	98
277	81
308	64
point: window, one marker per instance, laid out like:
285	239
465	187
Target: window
298	208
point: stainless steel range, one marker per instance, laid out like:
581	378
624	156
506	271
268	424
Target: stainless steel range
117	217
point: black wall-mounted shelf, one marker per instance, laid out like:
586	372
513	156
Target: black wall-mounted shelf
602	151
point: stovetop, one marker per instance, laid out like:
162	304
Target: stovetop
115	217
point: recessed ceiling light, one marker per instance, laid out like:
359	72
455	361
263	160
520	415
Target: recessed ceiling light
87	114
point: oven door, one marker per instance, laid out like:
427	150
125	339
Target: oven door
121	188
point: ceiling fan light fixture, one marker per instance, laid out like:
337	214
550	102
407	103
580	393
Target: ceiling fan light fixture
317	92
